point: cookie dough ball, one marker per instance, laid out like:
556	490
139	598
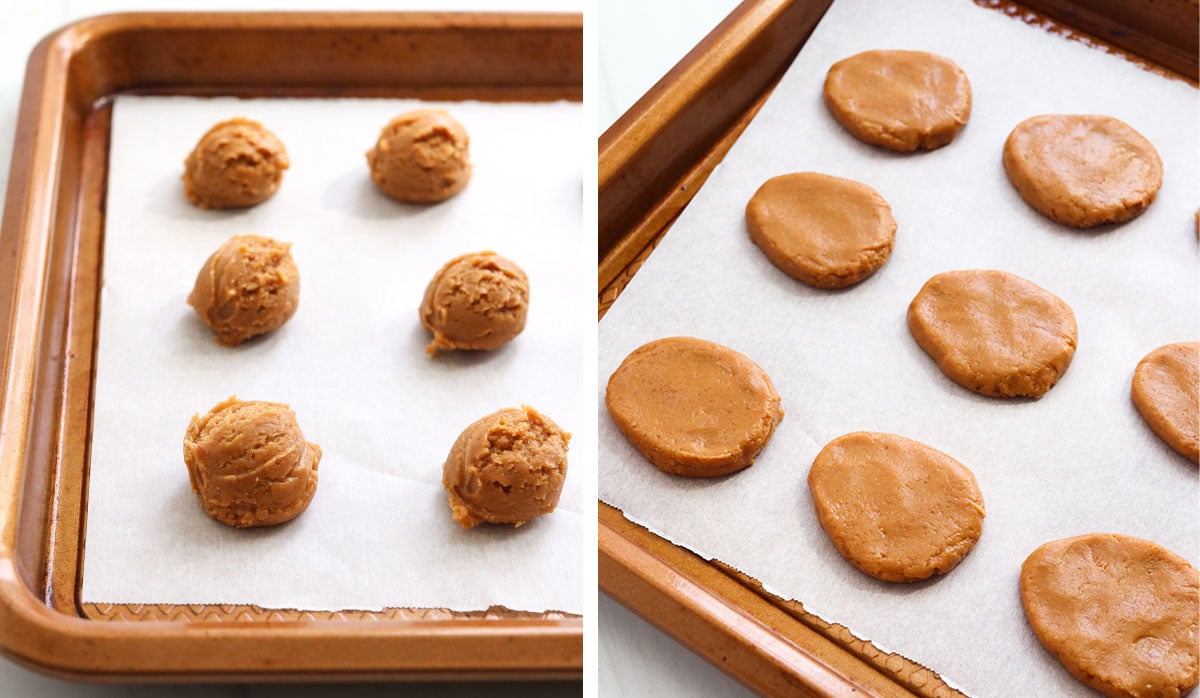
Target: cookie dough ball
901	100
895	508
994	332
693	407
238	163
825	231
1120	613
1166	390
249	464
249	286
476	301
506	468
421	157
1082	170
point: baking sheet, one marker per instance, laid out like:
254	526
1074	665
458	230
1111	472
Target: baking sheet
351	363
1078	460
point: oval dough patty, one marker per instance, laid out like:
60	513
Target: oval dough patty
1119	612
826	231
1166	390
994	332
895	508
693	407
1082	170
901	100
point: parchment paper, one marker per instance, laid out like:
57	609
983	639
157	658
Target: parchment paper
351	363
1078	460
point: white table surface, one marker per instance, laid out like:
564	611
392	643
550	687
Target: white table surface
22	24
640	40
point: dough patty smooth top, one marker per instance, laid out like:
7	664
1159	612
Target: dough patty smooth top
1166	391
895	508
994	332
826	231
1119	612
693	407
901	100
1082	170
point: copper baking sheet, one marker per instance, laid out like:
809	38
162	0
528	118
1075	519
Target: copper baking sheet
652	160
49	272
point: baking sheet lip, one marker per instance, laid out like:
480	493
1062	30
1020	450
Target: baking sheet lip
566	615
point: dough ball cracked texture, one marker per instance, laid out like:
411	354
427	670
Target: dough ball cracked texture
237	163
421	157
475	301
249	463
249	286
506	468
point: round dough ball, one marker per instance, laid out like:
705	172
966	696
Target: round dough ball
249	464
237	163
825	231
895	508
476	301
421	157
1120	613
1082	170
692	407
249	286
994	332
1166	390
901	100
506	468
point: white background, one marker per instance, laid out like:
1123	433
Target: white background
22	25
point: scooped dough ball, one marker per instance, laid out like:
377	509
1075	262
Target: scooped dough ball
249	464
421	157
506	468
476	301
238	163
249	286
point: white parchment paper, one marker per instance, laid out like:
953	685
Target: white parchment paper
351	363
1078	460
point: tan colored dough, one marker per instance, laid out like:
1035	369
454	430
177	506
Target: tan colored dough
508	468
994	332
475	301
1166	390
1082	170
1120	613
237	163
421	157
249	286
895	508
826	231
692	407
901	100
249	463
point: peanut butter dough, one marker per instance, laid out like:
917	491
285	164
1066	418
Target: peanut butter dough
249	286
506	468
994	332
476	301
1082	170
421	157
249	464
901	100
1166	390
825	231
895	508
692	407
237	163
1120	613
